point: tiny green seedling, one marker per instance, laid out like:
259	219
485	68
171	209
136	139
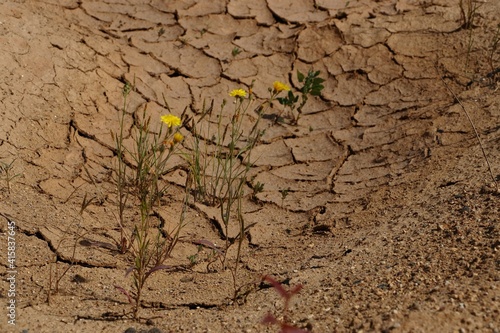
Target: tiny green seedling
194	258
161	32
235	51
257	188
284	194
6	171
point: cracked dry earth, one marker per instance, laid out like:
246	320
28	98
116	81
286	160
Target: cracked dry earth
392	218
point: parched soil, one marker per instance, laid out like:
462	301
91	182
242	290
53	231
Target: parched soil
391	219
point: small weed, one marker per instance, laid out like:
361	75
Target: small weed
257	188
284	194
235	51
312	85
149	248
55	276
195	258
284	324
7	174
476	133
183	42
85	203
494	48
468	12
219	159
219	169
161	32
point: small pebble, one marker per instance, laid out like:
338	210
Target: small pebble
155	330
130	330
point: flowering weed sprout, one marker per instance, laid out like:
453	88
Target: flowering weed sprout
148	246
219	169
219	157
312	85
270	319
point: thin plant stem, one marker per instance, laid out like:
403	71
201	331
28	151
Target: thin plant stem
476	133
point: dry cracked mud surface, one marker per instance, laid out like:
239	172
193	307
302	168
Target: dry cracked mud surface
391	222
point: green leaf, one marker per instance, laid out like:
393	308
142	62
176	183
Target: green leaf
300	76
316	92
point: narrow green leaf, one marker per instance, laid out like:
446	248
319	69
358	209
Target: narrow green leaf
300	76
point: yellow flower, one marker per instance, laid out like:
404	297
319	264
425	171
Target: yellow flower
280	86
171	120
178	137
238	93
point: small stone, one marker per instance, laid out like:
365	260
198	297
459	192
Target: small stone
130	330
78	279
155	330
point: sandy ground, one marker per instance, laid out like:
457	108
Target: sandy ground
392	219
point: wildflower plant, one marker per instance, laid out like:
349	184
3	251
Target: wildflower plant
311	85
219	169
148	246
219	157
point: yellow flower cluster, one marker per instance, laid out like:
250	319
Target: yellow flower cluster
280	86
178	137
238	93
171	120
